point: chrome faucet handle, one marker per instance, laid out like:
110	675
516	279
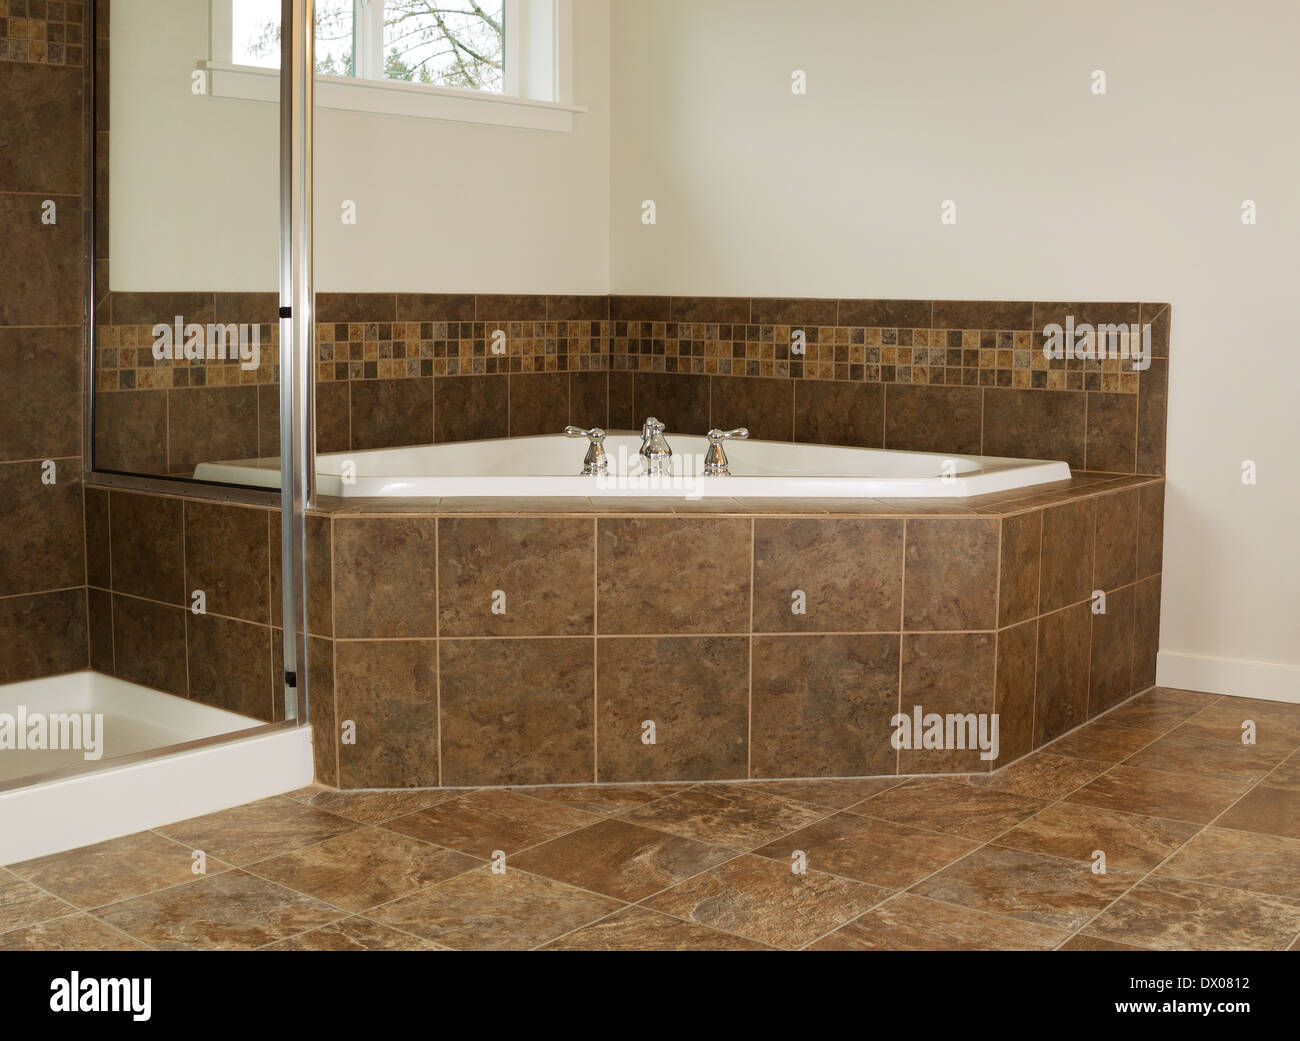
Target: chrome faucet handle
654	446
595	461
651	426
715	459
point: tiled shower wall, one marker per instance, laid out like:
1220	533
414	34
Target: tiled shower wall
42	200
397	369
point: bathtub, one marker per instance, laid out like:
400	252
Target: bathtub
550	465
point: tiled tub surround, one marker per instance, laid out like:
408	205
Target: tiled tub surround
400	369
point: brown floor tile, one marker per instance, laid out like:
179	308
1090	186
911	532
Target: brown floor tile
257	830
640	929
1275	725
725	814
114	870
606	800
908	922
1184	797
1102	741
1033	888
1084	942
363	868
374	807
869	850
482	822
764	900
1160	709
1074	831
78	932
1239	860
229	911
1273	811
951	807
622	860
833	793
354	934
1183	751
1286	775
1042	775
1170	914
22	904
483	911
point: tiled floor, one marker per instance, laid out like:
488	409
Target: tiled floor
1200	835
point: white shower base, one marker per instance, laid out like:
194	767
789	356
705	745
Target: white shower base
57	800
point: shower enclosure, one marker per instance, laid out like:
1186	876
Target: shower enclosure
176	676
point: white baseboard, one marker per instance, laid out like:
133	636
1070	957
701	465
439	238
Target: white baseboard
1269	681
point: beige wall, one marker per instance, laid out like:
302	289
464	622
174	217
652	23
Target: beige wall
1061	195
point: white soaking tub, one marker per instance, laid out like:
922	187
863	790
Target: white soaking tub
550	465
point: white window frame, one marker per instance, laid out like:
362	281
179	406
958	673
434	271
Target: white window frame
538	73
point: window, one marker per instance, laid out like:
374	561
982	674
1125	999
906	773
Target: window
502	62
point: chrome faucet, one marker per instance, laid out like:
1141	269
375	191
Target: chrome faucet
715	460
655	449
595	462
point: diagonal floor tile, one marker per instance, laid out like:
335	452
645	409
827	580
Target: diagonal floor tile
1042	775
953	807
1103	742
1273	811
1286	775
1185	751
1170	914
606	800
374	807
1033	888
353	934
78	932
115	870
621	859
1074	831
640	929
833	793
765	901
229	911
483	911
257	830
908	922
491	819
869	850
1158	793
363	868
726	814
1224	721
1084	942
1239	860
22	903
1160	709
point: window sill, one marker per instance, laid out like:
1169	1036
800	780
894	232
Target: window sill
249	83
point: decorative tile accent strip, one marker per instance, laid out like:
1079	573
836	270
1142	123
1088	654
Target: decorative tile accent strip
47	32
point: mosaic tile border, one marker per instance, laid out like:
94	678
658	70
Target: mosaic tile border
44	32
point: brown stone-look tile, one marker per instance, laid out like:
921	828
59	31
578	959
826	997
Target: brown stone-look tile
356	307
1151	530
796	311
638	308
1170	914
209	424
385	581
1043	775
147	546
42	634
1276	725
933	419
545	567
951	580
1061	688
1067	554
765	407
1286	775
1160	709
1112	432
480	910
99	609
821	705
131	431
470	408
360	869
1156	793
41	140
1146	633
353	934
1186	751
907	922
23	904
226	556
1103	741
386	413
1116	543
518	307
1153	401
389	689
640	929
696	691
1073	831
679	401
869	850
706	590
539	403
850	572
577	308
1090	312
98	566
253	308
589	398
320	580
1014	689
257	830
622	399
726	309
45	288
230	665
149	308
333	418
1111	668
517	711
606	799
1157	315
1271	811
834	412
764	900
372	807
229	911
1084	942
435	307
622	860
481	822
886	314
1239	860
40	383
835	793
78	932
1032	888
948	673
44	543
149	644
1030	424
1022	539
731	815
982	314
952	807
